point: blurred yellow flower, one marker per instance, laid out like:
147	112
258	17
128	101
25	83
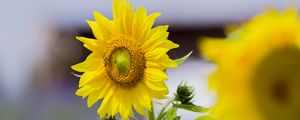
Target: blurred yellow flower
258	68
126	65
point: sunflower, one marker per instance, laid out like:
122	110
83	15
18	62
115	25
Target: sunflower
126	65
258	68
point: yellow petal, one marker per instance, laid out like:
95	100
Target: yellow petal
93	78
124	98
155	41
168	44
144	98
157	89
155	37
155	74
156	86
116	104
86	76
166	61
106	86
148	25
138	22
116	5
119	13
139	109
104	105
128	20
135	101
104	24
158	30
161	63
154	64
158	94
92	62
125	109
148	75
156	53
93	98
84	91
95	29
89	43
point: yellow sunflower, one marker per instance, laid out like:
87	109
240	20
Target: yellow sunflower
258	69
127	60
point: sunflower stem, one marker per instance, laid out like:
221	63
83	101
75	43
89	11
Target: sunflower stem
162	111
151	113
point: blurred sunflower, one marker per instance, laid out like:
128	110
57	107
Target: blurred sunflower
126	65
258	68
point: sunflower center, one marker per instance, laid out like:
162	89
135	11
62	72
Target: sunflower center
280	91
276	84
124	61
120	60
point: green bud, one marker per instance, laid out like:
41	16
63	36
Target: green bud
184	93
120	60
110	118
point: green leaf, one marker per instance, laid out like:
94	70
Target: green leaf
206	117
162	112
181	60
76	75
191	107
171	114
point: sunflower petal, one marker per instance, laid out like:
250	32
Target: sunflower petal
106	86
104	105
95	29
155	41
105	25
89	43
155	37
168	44
155	74
158	30
166	61
148	25
157	89
92	62
93	78
139	109
93	98
156	86
84	91
128	20
138	22
122	14
144	98
156	53
116	104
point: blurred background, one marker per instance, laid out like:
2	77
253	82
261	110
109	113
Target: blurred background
39	46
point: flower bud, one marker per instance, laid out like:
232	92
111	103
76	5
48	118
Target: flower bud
184	93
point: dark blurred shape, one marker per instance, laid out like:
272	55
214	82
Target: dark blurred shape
188	38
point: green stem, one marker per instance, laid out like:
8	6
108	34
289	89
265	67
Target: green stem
161	113
151	113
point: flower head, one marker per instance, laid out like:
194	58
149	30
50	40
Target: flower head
258	69
127	60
